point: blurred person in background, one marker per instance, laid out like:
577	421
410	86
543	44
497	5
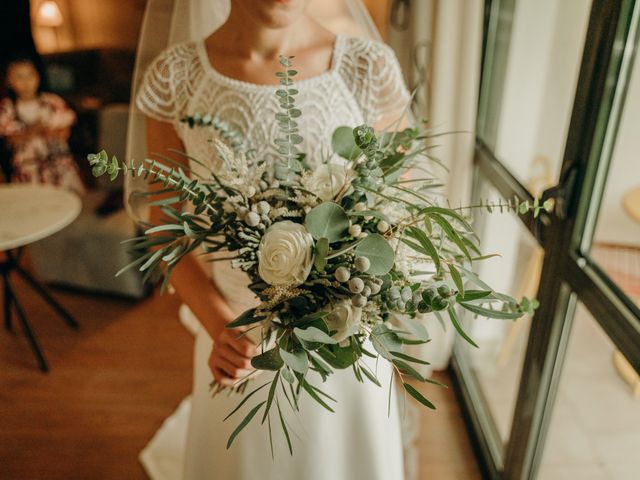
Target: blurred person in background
37	126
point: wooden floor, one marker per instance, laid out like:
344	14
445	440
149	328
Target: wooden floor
113	382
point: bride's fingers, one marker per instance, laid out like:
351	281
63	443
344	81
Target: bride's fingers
234	372
237	360
241	345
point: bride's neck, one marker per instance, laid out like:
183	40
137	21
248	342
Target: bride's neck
259	42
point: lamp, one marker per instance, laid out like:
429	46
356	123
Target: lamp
49	17
49	14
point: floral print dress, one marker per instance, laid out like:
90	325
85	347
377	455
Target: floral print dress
38	155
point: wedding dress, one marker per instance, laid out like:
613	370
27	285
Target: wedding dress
360	440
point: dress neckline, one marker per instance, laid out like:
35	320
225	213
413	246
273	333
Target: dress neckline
234	82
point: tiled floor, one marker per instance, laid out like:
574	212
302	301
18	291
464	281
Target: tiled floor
595	429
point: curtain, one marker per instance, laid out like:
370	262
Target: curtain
439	45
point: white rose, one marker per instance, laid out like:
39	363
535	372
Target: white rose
345	318
285	255
328	179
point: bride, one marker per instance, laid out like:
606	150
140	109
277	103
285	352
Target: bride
343	80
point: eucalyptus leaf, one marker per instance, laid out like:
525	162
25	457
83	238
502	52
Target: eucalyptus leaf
313	334
413	326
456	324
244	423
296	360
328	220
407	369
322	249
385	341
418	396
344	144
380	254
409	358
491	313
457	279
248	317
269	360
244	400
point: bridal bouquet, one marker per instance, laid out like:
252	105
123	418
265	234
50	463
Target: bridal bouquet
344	258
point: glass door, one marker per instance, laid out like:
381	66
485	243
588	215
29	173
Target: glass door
558	395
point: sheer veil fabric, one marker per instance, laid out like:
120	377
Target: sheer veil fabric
168	22
173	22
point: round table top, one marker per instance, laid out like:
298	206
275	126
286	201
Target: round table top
631	202
31	212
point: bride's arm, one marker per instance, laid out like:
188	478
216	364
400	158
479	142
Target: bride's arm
230	359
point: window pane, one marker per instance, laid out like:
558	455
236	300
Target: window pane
530	74
595	425
616	245
497	364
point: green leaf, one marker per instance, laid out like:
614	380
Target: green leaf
369	213
272	391
457	279
451	233
284	428
407	369
244	400
385	341
472	277
458	327
370	375
409	358
380	254
471	295
312	393
322	249
269	360
296	360
327	220
287	375
417	329
313	334
344	144
244	423
490	313
248	317
418	396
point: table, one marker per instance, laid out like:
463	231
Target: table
29	213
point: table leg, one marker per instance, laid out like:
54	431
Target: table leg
8	298
47	297
26	327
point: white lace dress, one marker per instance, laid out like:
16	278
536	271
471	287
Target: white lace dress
359	440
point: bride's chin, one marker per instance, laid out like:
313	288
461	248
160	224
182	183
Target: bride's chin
274	13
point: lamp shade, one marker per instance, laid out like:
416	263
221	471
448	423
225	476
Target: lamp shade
49	14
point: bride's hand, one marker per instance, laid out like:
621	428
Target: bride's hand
230	358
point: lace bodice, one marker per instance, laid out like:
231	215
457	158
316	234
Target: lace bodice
363	84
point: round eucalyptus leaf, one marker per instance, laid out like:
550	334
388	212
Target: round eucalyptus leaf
327	220
344	144
378	251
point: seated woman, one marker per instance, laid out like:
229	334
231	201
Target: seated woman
37	126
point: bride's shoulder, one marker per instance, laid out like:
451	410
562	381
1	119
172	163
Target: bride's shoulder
367	53
371	71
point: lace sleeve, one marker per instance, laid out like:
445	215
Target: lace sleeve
389	96
372	72
156	96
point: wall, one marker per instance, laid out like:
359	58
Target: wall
92	24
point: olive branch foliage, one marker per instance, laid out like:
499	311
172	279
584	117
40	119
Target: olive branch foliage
296	339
